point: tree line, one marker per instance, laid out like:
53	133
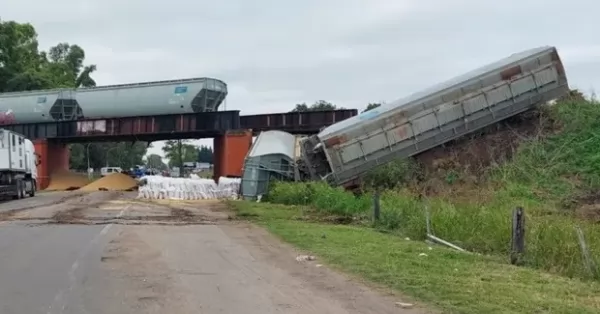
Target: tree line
189	153
322	105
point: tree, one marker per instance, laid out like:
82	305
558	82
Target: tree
320	105
371	106
21	63
65	65
155	161
205	154
189	152
78	157
125	155
24	67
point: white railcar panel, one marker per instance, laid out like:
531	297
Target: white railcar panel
374	143
449	112
400	133
499	94
351	152
523	85
424	124
474	104
546	76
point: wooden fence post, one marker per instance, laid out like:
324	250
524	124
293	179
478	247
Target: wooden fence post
518	236
376	208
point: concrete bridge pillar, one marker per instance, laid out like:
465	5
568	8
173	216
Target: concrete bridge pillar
51	157
230	150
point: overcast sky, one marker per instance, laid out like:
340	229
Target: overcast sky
274	54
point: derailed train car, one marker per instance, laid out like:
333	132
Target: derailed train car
342	152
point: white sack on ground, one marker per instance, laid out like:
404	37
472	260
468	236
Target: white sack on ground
158	187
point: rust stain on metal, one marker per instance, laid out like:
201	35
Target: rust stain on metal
511	72
402	132
397	119
401	117
335	141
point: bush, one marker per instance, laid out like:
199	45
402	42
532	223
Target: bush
324	198
395	174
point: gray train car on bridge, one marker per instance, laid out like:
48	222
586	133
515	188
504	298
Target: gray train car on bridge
125	100
344	151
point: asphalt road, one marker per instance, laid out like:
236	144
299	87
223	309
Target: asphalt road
105	253
43	268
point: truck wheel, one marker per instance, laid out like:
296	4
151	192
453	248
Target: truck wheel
23	190
33	187
18	190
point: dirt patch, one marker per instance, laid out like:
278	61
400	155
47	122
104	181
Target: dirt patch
489	146
68	215
589	212
112	182
69	208
7	215
181	213
99	208
33	203
349	295
586	207
215	210
328	219
459	168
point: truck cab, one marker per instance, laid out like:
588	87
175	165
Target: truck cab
18	165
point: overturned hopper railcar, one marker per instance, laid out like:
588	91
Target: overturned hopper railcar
344	151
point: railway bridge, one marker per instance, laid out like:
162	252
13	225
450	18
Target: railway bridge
232	133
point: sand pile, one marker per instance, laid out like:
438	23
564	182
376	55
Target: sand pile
112	182
66	181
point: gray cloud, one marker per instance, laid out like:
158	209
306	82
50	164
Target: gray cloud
274	54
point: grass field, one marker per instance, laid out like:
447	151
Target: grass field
447	280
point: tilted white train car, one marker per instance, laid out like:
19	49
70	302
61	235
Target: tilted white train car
342	152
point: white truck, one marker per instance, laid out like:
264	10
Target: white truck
18	165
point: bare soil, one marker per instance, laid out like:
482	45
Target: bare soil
458	169
490	146
230	268
109	207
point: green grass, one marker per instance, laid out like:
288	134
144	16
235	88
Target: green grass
448	280
551	242
548	177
